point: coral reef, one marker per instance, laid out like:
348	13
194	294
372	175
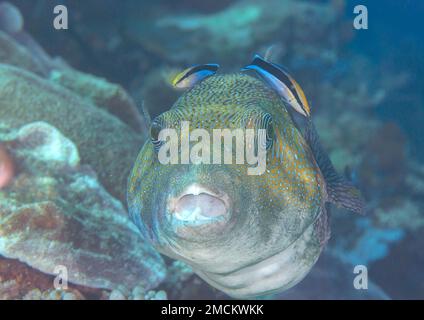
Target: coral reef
179	277
93	130
72	102
63	194
98	135
19	281
137	294
108	96
252	24
30	56
406	215
18	47
228	36
42	226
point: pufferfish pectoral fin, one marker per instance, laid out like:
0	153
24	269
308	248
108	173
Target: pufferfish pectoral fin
340	191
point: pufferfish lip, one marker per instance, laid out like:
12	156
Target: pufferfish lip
198	205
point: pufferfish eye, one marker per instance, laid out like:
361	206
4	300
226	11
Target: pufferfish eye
155	130
262	123
266	123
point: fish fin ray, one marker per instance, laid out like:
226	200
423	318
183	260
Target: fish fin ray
340	191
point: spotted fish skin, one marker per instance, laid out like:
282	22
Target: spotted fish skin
276	225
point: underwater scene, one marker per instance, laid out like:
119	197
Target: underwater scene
211	150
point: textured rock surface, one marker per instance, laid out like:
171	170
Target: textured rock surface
73	105
15	54
102	93
55	213
18	50
19	281
73	138
98	135
231	33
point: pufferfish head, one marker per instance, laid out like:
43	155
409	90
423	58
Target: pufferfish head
216	216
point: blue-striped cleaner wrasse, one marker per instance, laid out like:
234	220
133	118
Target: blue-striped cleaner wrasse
190	76
282	82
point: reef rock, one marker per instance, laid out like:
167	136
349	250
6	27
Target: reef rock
102	93
13	53
20	281
104	142
19	49
230	33
56	213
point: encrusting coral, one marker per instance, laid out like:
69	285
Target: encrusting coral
98	116
67	143
98	135
55	213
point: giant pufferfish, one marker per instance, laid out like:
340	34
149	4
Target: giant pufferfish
246	235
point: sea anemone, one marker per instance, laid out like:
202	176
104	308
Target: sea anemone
7	168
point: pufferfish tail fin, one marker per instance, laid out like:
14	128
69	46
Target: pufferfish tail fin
340	191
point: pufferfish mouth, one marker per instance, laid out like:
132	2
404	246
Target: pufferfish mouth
197	205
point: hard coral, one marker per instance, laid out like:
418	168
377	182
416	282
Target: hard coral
57	214
99	136
19	49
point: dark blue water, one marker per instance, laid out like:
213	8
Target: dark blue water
395	40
